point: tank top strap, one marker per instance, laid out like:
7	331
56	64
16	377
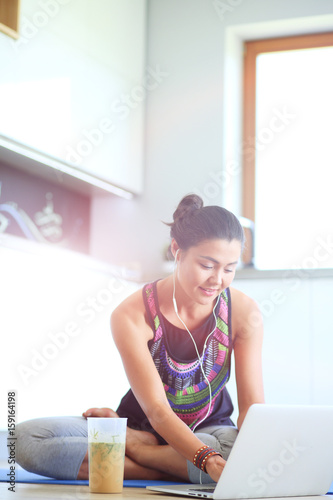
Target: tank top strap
223	324
150	300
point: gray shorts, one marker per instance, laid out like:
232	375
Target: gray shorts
52	446
56	446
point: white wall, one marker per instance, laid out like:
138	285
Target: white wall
297	360
193	117
57	350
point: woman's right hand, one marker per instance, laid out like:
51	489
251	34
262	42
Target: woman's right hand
215	466
100	412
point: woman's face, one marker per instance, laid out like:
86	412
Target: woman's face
205	270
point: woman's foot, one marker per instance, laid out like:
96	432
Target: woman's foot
136	471
135	439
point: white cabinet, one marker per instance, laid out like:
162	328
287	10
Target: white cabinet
73	86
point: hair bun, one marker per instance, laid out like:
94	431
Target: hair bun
188	204
193	223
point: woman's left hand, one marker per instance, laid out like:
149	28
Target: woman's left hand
100	412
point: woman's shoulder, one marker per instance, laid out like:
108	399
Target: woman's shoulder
245	312
241	300
131	304
131	308
129	319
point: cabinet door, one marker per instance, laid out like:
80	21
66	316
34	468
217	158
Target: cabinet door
73	85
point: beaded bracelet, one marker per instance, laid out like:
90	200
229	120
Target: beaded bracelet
197	455
202	455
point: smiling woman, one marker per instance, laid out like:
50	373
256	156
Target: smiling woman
175	338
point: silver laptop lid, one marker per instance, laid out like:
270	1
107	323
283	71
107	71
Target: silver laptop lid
280	451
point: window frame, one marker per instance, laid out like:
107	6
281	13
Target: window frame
252	49
10	17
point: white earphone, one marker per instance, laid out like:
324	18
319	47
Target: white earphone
174	285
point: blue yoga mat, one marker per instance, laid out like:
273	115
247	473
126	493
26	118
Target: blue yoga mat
23	476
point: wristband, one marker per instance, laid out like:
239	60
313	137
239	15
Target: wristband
202	455
197	455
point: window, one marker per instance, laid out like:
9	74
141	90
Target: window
287	150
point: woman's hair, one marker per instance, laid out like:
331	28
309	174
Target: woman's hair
194	223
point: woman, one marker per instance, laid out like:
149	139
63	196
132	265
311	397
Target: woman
175	338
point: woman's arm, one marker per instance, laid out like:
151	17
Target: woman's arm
247	328
131	334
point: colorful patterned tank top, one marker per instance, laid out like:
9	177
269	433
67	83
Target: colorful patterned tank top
184	384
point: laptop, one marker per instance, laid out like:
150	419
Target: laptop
280	451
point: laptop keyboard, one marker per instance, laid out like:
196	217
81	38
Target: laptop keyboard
208	489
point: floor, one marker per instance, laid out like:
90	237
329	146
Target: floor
70	492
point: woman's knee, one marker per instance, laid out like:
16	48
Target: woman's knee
207	439
52	446
226	436
32	436
221	438
24	433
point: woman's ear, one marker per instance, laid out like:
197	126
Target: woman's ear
174	248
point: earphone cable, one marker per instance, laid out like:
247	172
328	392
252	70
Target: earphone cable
196	348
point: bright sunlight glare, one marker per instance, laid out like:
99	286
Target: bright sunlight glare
294	159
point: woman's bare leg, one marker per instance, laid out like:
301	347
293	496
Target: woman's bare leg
162	458
132	471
